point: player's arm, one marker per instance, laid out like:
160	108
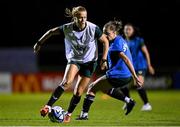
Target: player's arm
105	42
147	55
102	38
131	68
47	35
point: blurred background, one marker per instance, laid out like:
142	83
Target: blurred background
24	22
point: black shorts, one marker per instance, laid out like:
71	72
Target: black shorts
86	69
119	82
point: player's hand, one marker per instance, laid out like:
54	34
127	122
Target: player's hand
138	82
151	70
103	64
36	48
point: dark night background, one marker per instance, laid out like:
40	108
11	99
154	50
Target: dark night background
24	22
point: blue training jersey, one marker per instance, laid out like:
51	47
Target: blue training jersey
117	67
139	60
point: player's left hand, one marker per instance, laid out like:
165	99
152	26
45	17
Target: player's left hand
138	83
103	64
151	70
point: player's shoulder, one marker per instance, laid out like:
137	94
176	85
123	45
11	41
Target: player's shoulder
139	39
119	43
90	24
119	39
67	25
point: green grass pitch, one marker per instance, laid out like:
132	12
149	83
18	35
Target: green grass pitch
23	110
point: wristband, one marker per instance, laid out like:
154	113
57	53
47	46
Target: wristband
103	60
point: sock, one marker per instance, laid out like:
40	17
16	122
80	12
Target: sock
143	95
88	100
125	91
127	99
55	96
74	101
116	93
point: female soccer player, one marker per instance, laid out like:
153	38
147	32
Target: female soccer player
81	53
118	75
141	61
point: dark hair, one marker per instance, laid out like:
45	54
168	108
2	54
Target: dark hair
135	28
115	25
75	10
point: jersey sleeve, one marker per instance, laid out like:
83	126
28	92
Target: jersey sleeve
98	32
141	42
118	46
61	29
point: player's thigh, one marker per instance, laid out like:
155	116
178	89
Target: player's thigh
81	85
101	84
120	82
70	73
87	69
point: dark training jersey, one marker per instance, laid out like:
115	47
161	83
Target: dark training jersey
117	67
135	46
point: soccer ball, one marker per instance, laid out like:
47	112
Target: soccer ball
57	114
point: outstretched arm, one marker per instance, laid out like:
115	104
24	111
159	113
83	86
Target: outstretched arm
131	68
47	35
146	53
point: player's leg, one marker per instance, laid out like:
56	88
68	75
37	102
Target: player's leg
70	72
125	91
85	73
81	85
103	85
89	99
143	94
118	85
116	92
112	87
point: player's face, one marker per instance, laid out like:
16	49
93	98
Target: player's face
128	30
81	19
110	34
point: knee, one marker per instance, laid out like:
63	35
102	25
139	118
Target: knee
66	84
91	92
